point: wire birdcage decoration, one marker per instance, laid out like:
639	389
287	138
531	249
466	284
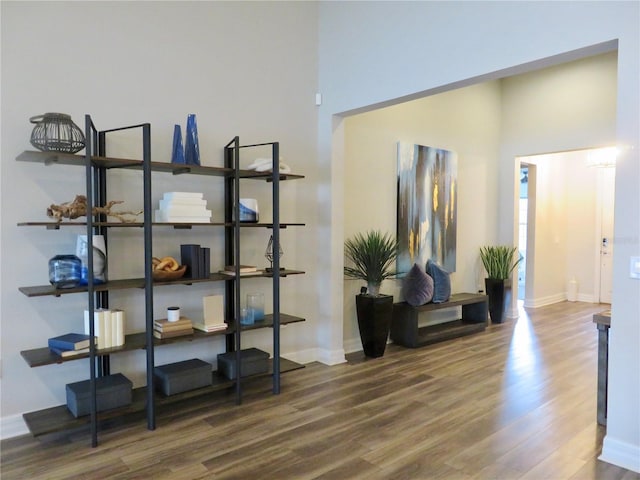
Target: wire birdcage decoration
56	132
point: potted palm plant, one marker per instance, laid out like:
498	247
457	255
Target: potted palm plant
371	256
499	261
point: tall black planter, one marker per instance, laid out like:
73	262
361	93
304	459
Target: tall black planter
497	291
374	322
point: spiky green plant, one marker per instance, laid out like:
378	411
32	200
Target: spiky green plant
372	255
499	261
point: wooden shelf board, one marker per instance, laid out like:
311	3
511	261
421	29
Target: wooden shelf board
57	225
49	290
39	357
285	319
57	419
59	158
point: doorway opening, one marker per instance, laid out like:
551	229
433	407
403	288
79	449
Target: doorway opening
522	228
565	220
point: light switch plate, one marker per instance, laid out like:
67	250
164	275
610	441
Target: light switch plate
634	267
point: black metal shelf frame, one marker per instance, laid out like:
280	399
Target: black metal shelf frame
96	189
232	248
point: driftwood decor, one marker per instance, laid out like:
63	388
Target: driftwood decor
78	208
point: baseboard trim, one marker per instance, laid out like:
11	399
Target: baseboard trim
12	426
302	356
330	357
586	298
544	301
621	454
352	345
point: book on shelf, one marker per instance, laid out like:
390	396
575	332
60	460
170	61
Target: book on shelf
205	262
185	211
190	256
117	332
68	353
197	259
176	333
243	268
167	203
165	325
162	216
213	309
99	326
182	195
231	273
70	341
108	325
210	328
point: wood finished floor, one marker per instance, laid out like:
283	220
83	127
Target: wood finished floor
517	401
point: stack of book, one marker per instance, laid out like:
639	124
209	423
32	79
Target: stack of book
108	327
213	306
166	329
69	344
244	270
183	207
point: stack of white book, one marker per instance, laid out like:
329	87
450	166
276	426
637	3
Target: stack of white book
108	327
213	314
183	207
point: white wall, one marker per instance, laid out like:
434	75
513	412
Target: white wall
465	121
373	53
247	69
550	232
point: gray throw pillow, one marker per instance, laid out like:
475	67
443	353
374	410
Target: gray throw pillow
441	282
417	287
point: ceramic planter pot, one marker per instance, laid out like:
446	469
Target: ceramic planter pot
374	321
498	291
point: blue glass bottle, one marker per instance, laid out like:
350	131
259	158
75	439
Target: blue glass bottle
65	271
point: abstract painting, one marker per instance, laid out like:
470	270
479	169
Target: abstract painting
427	203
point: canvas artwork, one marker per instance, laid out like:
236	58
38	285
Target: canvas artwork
427	203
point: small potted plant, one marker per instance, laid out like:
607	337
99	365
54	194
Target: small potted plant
372	255
499	261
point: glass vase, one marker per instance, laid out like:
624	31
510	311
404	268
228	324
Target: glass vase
65	271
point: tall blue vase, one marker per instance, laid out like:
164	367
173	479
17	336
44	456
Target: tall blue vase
177	152
192	148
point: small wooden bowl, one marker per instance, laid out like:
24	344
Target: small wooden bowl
166	276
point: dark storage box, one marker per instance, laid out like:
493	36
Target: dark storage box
253	361
182	376
112	391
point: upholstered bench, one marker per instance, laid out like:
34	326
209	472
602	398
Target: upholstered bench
405	330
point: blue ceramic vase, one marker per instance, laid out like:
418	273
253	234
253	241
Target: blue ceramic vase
177	152
192	148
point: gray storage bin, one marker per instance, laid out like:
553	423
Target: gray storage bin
182	376
253	361
112	391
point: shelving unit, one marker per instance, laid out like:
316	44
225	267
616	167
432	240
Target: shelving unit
96	165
